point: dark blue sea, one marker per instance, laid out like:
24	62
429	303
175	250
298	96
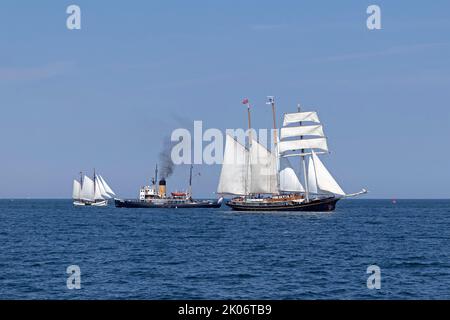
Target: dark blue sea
221	254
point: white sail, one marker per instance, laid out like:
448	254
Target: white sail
263	170
87	190
325	180
101	187
299	131
234	168
316	143
297	117
288	178
312	178
106	186
97	190
76	190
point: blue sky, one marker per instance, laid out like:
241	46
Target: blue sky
106	96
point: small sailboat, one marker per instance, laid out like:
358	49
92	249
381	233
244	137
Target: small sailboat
263	180
91	192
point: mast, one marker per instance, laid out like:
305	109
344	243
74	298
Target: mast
275	137
249	126
95	184
156	177
246	102
190	181
272	102
305	175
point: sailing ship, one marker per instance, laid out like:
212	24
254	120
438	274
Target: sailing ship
155	196
91	192
262	180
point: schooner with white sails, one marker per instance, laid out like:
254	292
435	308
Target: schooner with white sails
264	180
91	192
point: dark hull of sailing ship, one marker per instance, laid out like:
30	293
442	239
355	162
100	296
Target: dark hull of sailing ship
319	205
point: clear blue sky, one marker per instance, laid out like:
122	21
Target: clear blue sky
105	96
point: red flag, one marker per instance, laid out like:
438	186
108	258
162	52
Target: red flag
245	101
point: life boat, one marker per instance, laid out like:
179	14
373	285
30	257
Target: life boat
178	194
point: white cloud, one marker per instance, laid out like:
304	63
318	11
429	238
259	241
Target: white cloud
398	50
34	73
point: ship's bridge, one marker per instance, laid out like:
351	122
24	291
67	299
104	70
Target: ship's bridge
147	192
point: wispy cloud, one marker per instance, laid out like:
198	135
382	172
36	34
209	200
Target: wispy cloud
397	50
36	72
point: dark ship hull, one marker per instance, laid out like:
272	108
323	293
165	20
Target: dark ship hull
168	204
320	205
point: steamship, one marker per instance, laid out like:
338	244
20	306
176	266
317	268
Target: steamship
155	196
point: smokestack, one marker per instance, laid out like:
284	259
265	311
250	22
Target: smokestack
162	188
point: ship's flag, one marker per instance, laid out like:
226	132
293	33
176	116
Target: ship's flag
245	101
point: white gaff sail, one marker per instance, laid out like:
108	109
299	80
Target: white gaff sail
106	186
101	187
288	178
263	170
234	168
76	190
325	181
87	190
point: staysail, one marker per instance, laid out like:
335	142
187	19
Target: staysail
97	190
289	181
325	181
234	168
101	187
106	186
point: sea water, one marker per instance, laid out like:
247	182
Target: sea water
221	254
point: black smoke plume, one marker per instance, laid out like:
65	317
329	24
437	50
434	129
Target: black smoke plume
166	165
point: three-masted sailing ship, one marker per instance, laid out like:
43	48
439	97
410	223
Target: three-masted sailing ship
91	192
264	180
